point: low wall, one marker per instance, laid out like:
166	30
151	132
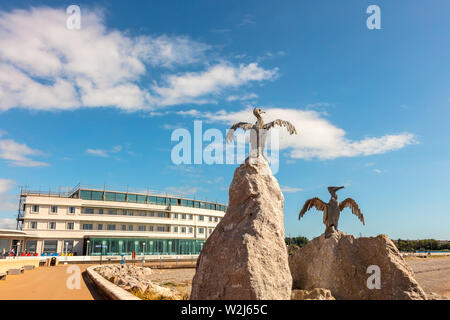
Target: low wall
6	264
108	288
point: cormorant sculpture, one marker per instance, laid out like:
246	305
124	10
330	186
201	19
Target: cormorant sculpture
332	209
260	129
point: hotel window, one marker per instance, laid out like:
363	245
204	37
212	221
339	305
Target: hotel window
191	217
68	245
151	214
132	198
210	231
124	227
190	203
175	215
142	228
33	224
152	199
210	219
71	210
100	211
200	230
160	200
88	210
130	212
130	228
35	208
31	245
50	246
54	209
141	199
163	214
162	228
191	230
215	219
124	212
111	227
183	216
87	226
183	229
69	226
201	218
52	225
142	213
196	204
150	228
175	229
100	226
112	211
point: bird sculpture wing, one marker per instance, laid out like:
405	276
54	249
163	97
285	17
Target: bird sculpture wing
314	202
281	123
350	203
242	125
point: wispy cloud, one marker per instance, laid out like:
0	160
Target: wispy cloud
8	223
41	69
104	153
247	19
18	154
8	202
287	189
242	97
317	138
183	190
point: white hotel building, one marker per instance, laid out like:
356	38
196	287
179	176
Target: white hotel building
94	222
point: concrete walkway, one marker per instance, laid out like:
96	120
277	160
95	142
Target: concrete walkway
47	283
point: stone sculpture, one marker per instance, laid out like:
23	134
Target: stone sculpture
245	258
332	209
259	129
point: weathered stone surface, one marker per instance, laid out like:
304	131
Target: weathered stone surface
340	264
245	257
314	294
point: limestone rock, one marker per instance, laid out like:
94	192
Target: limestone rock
314	294
245	257
340	264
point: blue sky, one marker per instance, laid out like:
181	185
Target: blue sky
98	105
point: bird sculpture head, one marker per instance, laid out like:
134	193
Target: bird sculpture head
332	190
257	112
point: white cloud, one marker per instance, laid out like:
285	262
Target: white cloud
317	137
8	223
104	153
188	87
18	154
287	189
6	184
183	190
45	66
8	202
242	97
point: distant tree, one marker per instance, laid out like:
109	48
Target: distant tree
299	241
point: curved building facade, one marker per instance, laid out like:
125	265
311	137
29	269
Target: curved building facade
106	222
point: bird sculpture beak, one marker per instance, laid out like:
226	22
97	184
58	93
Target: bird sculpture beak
262	111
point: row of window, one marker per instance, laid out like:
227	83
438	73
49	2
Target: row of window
159	214
112	227
139	198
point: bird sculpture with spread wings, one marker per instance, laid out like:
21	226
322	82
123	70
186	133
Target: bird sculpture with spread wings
332	209
259	129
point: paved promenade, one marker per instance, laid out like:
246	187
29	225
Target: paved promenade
46	283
